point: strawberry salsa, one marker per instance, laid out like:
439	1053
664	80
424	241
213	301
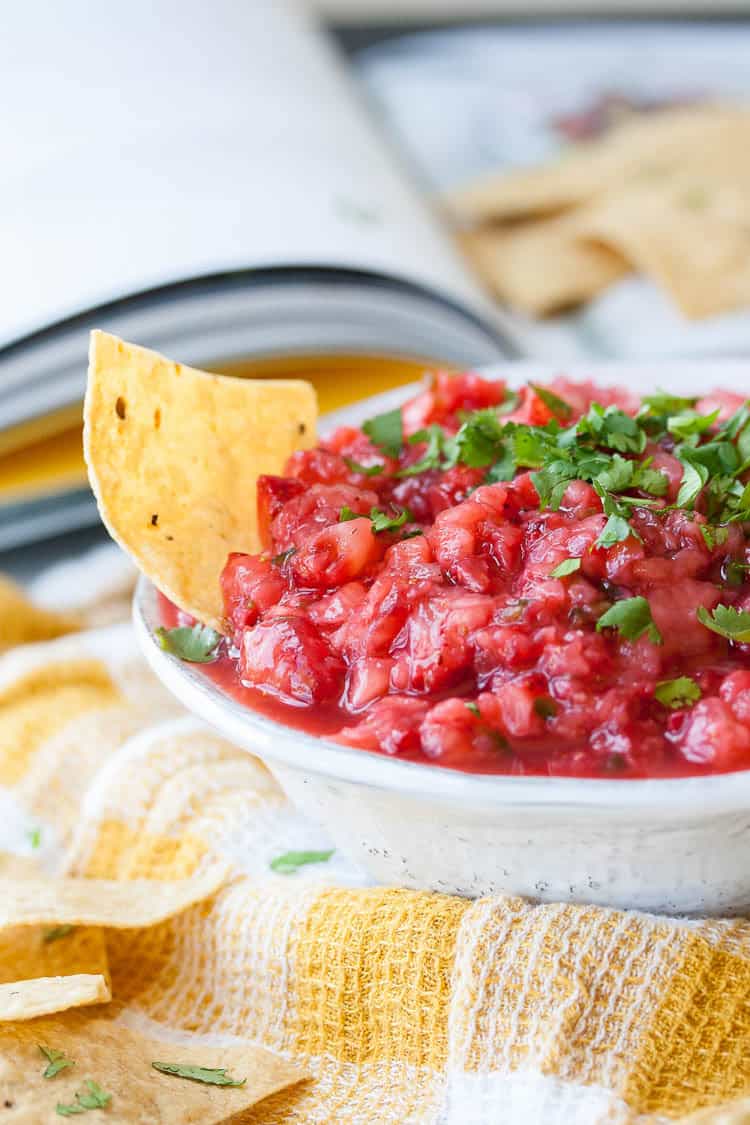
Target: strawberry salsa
548	581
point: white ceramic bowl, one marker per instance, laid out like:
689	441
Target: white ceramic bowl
674	846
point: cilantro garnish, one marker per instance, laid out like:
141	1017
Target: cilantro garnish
632	618
566	567
209	1075
94	1097
381	521
616	530
57	932
198	644
612	428
473	707
366	470
56	1061
734	624
677	693
386	431
694	476
665	403
478	442
559	407
713	536
35	837
290	862
690	423
434	437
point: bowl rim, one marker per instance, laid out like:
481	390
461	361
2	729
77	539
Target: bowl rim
295	748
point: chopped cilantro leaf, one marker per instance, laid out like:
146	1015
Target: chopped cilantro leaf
612	428
197	644
211	1076
290	862
434	437
618	475
662	402
677	693
35	837
693	479
386	431
689	424
567	566
559	407
56	1061
366	470
651	480
94	1097
616	530
734	624
737	422
632	618
478	442
471	706
381	521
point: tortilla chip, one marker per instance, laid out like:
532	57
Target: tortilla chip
173	457
542	267
22	623
26	999
691	235
118	1059
733	1113
652	145
27	952
103	902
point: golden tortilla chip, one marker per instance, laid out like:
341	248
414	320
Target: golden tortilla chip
173	457
22	623
26	999
542	267
103	902
112	1064
733	1113
27	952
691	234
652	145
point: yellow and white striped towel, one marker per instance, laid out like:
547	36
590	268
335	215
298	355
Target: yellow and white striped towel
407	1007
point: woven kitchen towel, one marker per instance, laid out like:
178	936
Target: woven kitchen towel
407	1007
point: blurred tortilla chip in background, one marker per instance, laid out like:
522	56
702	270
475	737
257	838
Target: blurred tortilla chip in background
666	195
542	267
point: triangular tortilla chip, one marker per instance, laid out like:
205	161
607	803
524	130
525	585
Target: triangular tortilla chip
174	455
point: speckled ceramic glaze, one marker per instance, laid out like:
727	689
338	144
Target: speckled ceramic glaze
676	846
